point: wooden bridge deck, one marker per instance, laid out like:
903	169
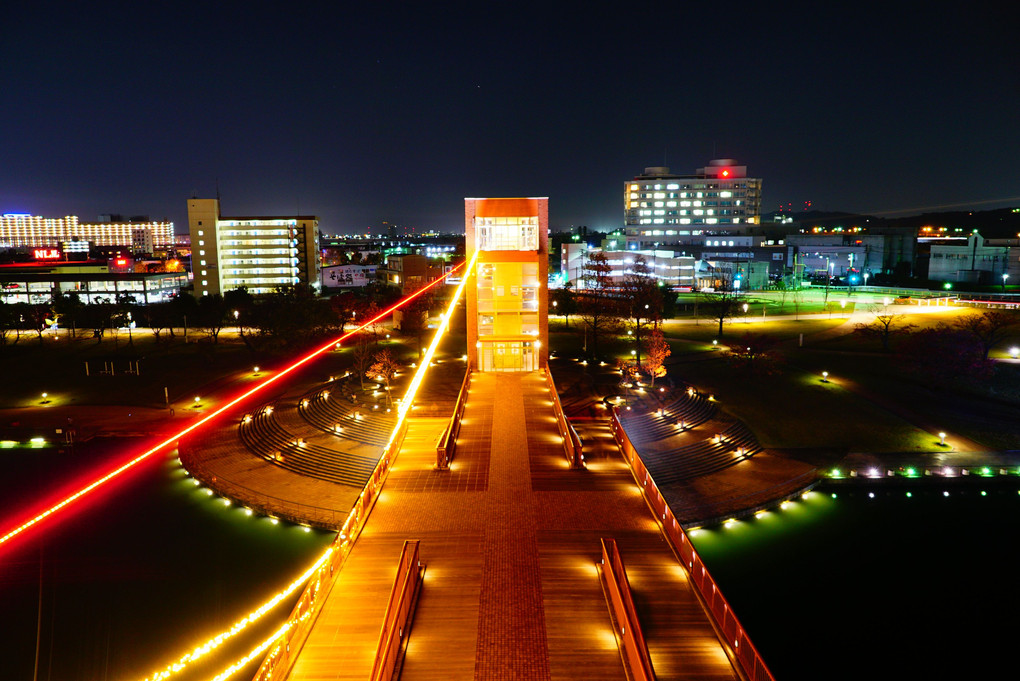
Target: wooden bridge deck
510	537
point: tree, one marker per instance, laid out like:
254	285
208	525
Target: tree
35	317
212	315
600	313
242	302
68	307
415	319
721	306
361	357
564	302
98	316
944	354
384	368
756	354
656	352
989	328
885	327
642	296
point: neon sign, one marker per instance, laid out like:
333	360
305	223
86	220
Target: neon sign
46	253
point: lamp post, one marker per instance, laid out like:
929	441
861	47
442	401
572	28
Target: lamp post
828	278
745	312
1004	278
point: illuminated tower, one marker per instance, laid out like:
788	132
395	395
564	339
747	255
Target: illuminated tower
508	323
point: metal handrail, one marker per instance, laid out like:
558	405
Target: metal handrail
448	441
398	612
733	634
621	603
571	440
302	617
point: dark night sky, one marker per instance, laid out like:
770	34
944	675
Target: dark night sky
389	113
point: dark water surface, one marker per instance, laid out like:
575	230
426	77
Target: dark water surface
139	575
883	587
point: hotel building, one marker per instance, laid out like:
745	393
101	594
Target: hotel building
24	230
507	305
663	209
258	253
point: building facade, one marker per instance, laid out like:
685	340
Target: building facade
667	267
507	305
258	253
979	261
34	231
660	206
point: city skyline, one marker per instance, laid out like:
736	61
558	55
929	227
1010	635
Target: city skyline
395	115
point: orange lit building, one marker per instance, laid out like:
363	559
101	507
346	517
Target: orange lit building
507	306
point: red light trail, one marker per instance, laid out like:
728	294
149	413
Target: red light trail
18	530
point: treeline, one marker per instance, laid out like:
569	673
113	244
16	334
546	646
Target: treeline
289	317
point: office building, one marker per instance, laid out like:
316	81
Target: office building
259	253
661	208
667	267
979	261
33	231
507	304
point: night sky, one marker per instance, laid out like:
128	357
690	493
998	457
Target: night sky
395	113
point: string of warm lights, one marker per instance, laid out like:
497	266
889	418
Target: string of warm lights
405	406
11	534
216	641
201	651
257	651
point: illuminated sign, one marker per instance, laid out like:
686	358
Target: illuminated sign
46	253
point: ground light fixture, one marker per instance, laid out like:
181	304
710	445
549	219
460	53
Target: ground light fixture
942	439
1014	352
825	377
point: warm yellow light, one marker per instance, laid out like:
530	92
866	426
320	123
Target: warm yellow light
252	617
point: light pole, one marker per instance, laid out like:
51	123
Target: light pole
828	278
866	275
1004	278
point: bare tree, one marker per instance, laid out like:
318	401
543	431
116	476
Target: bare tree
721	305
599	311
989	327
885	327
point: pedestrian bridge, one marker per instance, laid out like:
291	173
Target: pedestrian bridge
512	563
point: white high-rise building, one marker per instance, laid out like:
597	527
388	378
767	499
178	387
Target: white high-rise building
662	208
26	230
258	253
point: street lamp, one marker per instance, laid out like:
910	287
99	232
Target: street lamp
866	275
1014	352
825	377
1004	278
942	439
745	312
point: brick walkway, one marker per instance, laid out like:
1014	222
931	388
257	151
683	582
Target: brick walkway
510	539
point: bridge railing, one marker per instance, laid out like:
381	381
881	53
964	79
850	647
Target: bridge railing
734	635
448	442
398	612
571	440
622	603
283	653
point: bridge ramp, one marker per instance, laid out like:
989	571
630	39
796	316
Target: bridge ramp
510	538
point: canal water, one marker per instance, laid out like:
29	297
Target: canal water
137	577
877	583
